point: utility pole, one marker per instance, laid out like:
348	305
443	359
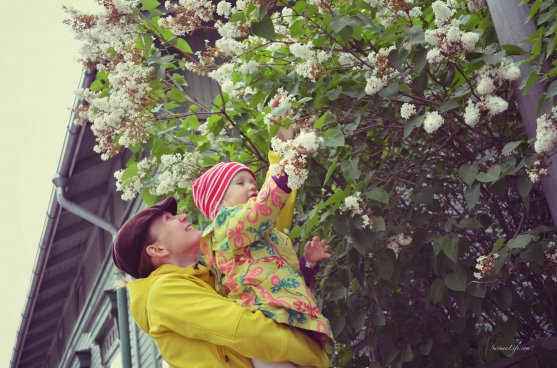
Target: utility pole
509	20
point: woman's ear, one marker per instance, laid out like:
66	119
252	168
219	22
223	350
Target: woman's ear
156	250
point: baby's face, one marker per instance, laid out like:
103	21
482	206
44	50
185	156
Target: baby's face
242	187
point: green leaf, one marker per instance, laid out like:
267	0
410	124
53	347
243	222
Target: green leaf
330	173
498	245
296	28
449	105
351	170
321	121
437	290
476	289
468	173
513	50
383	266
511	146
378	224
472	195
182	45
456	281
469	223
149	4
378	318
528	83
176	95
334	137
379	195
414	122
264	29
524	185
552	89
520	241
343	27
390	91
450	247
491	175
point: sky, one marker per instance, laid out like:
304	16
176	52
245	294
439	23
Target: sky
39	72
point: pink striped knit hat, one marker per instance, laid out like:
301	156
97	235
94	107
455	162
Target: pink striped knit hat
208	190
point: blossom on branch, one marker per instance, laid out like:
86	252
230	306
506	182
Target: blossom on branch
294	157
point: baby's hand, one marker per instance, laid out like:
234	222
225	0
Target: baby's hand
283	133
315	251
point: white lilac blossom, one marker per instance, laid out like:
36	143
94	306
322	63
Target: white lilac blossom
109	30
434	56
448	41
309	66
294	156
476	5
433	121
177	172
229	47
302	51
249	67
546	132
484	266
187	16
415	12
442	12
471	114
224	9
495	104
550	264
398	241
407	110
229	30
381	70
538	171
132	186
284	99
353	204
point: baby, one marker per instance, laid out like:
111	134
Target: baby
255	263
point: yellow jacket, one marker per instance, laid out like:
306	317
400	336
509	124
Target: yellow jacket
194	327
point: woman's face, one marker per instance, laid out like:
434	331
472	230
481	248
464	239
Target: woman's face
176	233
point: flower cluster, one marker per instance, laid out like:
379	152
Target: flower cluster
398	241
121	117
382	71
177	172
448	40
407	110
550	263
433	121
476	5
388	11
546	132
489	80
294	157
124	113
310	66
187	16
484	266
538	171
354	204
113	29
131	186
284	99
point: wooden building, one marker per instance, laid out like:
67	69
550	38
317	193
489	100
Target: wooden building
74	316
